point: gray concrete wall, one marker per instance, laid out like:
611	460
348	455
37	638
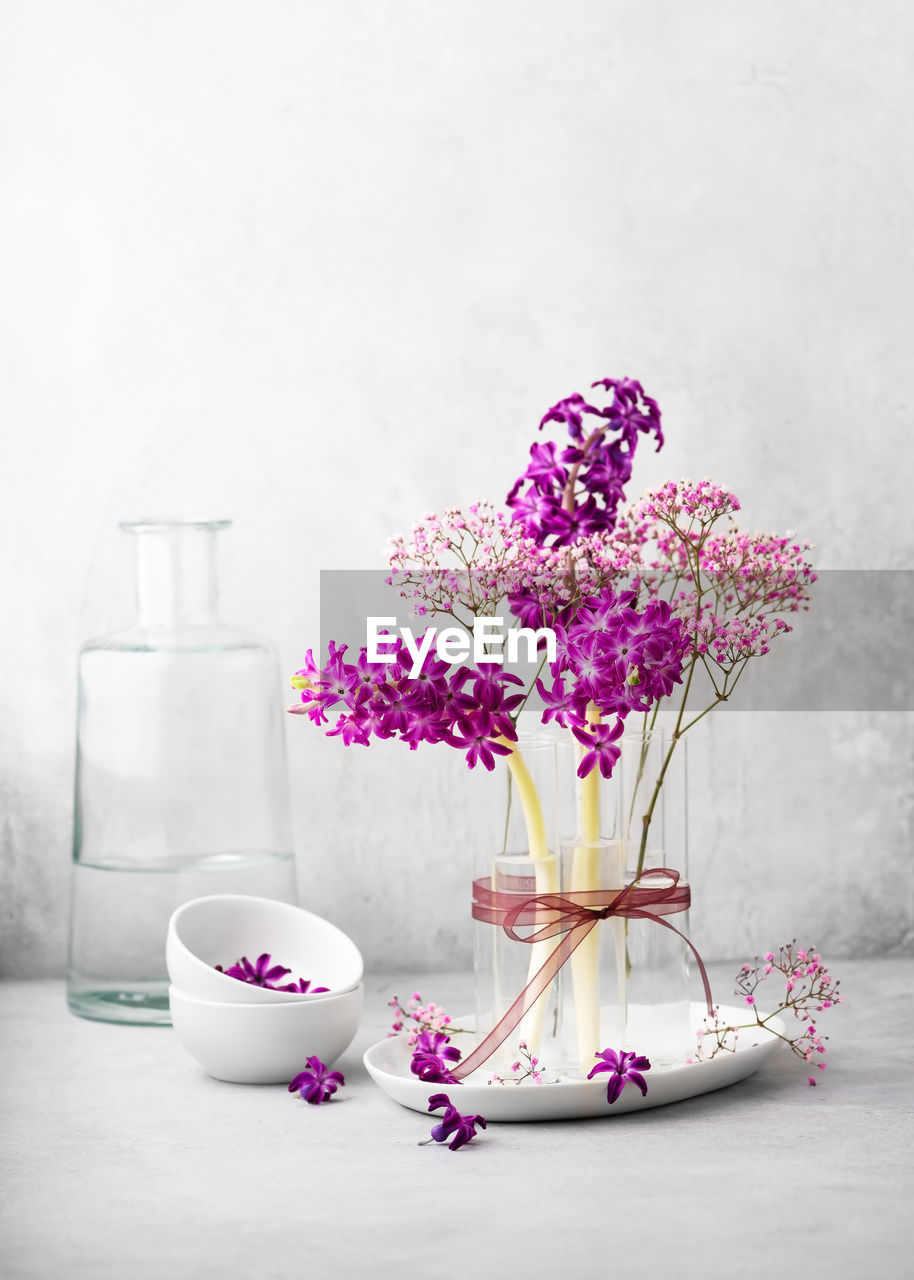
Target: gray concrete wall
321	267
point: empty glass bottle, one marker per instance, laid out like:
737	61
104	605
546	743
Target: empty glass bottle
181	779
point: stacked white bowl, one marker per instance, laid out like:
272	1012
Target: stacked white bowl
252	1034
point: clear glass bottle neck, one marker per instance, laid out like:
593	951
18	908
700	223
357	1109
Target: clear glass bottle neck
176	579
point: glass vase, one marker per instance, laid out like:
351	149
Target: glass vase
521	859
570	847
181	782
538	850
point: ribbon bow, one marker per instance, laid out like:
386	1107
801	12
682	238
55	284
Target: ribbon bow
570	915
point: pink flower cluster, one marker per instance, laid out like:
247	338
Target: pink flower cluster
809	990
665	545
422	1017
465	565
727	639
545	584
458	560
677	501
429	1038
526	1067
727	588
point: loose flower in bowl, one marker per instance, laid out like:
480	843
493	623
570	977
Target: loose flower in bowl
206	932
262	973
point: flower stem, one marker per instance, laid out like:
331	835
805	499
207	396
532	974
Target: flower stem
530	801
586	872
545	871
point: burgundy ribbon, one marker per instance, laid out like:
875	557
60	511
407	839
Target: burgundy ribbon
572	915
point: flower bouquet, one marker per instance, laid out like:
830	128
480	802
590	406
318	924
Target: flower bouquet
632	618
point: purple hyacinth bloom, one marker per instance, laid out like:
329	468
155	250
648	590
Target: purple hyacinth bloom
490	695
587	518
525	507
454	701
370	675
527	608
460	1129
352	725
400	703
619	659
263	974
432	676
572	493
570	411
631	411
600	741
474	735
543	464
316	1083
431	1056
259	974
555	702
624	1068
428	724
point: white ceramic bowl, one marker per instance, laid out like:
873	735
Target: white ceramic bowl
264	1043
223	927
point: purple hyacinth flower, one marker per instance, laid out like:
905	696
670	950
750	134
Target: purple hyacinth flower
527	608
263	974
600	741
543	468
555	701
460	1129
316	1084
301	987
431	1056
570	411
259	974
575	491
474	735
624	1068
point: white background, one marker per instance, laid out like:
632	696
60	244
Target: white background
322	267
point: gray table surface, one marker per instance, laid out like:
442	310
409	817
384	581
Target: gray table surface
122	1159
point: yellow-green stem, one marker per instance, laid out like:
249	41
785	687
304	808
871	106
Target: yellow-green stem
585	876
530	802
545	870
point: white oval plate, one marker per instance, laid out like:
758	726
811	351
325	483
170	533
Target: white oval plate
388	1065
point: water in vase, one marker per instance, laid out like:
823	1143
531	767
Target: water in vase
119	920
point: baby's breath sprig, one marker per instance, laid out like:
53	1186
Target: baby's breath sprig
809	990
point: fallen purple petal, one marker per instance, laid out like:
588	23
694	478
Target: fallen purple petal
624	1068
460	1129
316	1083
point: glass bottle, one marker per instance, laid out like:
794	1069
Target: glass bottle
181	779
